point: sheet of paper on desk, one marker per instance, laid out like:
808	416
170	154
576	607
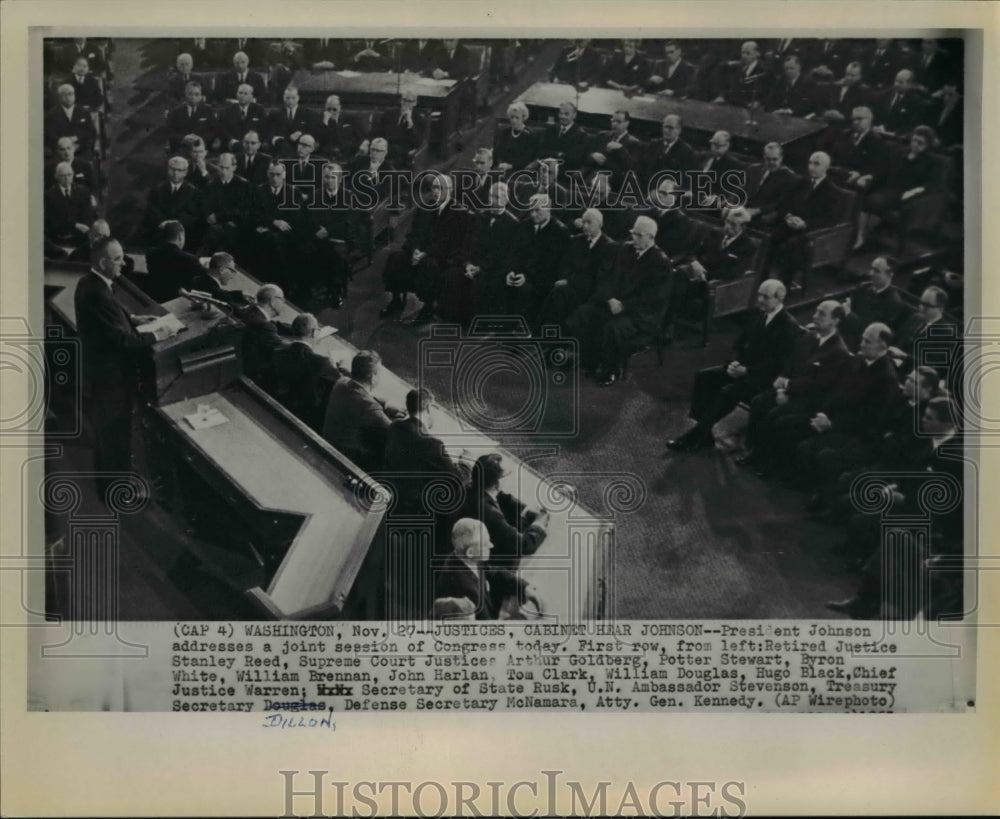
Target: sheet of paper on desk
432	81
349	73
325	331
206	420
168	320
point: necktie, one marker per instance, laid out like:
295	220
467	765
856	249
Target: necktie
66	192
858	138
244	114
242	78
291	113
763	179
843	93
895	99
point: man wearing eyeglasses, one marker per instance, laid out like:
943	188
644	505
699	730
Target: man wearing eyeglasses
253	163
215	281
403	127
876	300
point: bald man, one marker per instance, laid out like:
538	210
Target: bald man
899	108
83	171
242	114
404	127
565	140
811	204
760	353
748	81
670	153
227	83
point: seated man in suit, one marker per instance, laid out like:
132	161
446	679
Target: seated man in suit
356	420
193	116
565	141
452	61
465	575
615	150
578	64
227	84
252	164
336	136
719	167
175	199
672	76
794	95
404	128
538	250
99	231
898	108
671	154
474	192
847	94
748	83
367	55
215	280
515	145
83	171
333	231
626	307
417	56
262	336
811	371
875	300
862	152
937	334
280	229
69	209
588	263
85	85
768	185
323	53
289	122
180	75
760	354
946	116
170	267
304	377
68	119
238	117
227	203
674	230
90	50
627	70
200	170
809	205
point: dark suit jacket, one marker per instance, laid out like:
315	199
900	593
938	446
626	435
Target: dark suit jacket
88	92
679	159
412	57
180	123
585	267
184	206
673	231
867	306
861	403
512	537
742	88
816	207
813	370
801	98
83	173
445	236
233	125
570	147
207	284
304	381
315	51
69	54
356	423
229	202
253	172
228	82
869	156
519	151
634	73
177	82
337	138
586	67
718	167
725	263
846	98
495	241
57	125
770	194
170	269
108	342
280	126
881	69
642	286
458	64
538	254
201	180
261	339
486	589
402	138
413	459
681	82
899	117
939	71
627	158
63	213
948	125
764	348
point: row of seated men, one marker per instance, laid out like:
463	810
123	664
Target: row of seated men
751	71
59	55
223	65
853	393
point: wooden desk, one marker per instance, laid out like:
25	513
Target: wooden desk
381	89
595	106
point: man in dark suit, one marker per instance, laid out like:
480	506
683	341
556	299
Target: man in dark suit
109	338
236	118
810	205
256	49
367	55
932	337
170	267
674	230
898	108
565	140
175	199
438	242
403	127
68	119
304	377
227	84
934	69
263	335
452	62
323	53
200	170
748	81
356	421
336	136
615	150
861	153
828	58
672	76
578	64
305	174
83	171
538	250
881	62
180	75
876	300
69	210
810	372
280	230
515	146
671	153
289	122
768	186
587	264
794	95
85	85
760	353
333	235
627	306
627	70
844	96
252	164
227	202
215	280
81	47
418	56
946	116
720	185
192	117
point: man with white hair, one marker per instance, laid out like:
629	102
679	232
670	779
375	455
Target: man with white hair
240	115
565	140
404	127
180	75
538	252
68	119
176	198
193	116
515	145
587	264
228	83
261	337
69	210
811	204
626	307
464	573
760	354
83	171
227	201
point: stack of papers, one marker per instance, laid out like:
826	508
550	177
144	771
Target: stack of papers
168	320
206	418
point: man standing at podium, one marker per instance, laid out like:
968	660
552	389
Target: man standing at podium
109	337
